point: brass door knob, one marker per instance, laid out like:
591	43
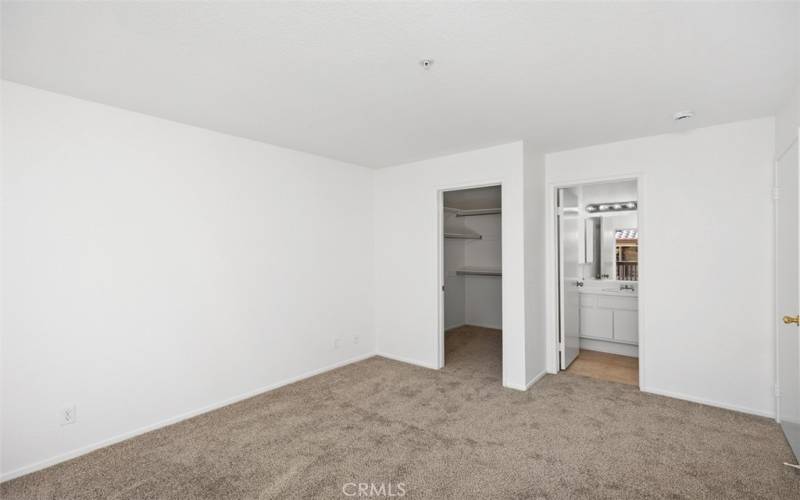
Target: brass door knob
792	319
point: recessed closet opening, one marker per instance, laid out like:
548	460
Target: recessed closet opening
598	280
472	282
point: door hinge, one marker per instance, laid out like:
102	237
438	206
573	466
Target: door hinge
776	193
777	391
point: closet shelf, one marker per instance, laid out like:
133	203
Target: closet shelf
478	211
463	236
479	271
474	211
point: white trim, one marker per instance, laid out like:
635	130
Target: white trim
488	327
408	361
536	379
529	384
707	402
27	469
610	346
474	324
776	314
786	150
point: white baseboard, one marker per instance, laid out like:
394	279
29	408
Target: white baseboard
27	469
610	347
536	379
491	327
406	360
708	402
528	385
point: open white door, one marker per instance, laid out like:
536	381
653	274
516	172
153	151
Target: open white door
788	294
569	232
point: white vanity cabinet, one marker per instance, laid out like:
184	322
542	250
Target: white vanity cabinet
609	317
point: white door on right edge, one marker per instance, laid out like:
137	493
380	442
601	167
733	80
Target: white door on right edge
788	294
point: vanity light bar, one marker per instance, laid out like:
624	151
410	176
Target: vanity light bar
617	206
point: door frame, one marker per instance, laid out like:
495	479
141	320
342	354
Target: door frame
552	271
561	320
440	190
777	313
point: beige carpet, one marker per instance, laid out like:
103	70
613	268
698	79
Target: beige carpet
454	433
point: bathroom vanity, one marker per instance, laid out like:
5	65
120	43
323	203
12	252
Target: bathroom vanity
609	316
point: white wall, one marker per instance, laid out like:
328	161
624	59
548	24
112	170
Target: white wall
607	192
454	258
787	120
536	231
705	289
470	299
153	269
406	253
483	294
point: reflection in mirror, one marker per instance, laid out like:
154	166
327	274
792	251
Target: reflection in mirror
612	246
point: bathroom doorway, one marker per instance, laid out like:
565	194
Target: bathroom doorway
598	234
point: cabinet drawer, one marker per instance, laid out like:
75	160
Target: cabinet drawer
597	323
613	302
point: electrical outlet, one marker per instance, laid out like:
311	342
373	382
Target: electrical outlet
69	415
356	339
336	343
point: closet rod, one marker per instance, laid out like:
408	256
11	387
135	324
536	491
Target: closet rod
463	236
477	271
478	211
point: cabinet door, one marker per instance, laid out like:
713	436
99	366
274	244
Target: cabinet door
597	323
626	326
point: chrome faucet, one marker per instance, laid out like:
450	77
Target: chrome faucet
626	287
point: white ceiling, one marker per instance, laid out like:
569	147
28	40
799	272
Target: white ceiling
343	80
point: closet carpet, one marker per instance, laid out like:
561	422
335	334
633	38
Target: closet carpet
454	433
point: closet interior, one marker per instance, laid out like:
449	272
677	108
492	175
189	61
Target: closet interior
472	223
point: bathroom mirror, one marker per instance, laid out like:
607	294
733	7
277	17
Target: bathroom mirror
612	247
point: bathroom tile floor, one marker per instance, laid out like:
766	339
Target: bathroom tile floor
605	366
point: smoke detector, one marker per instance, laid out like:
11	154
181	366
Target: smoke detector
683	115
426	63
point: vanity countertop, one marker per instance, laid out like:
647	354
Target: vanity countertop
609	290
